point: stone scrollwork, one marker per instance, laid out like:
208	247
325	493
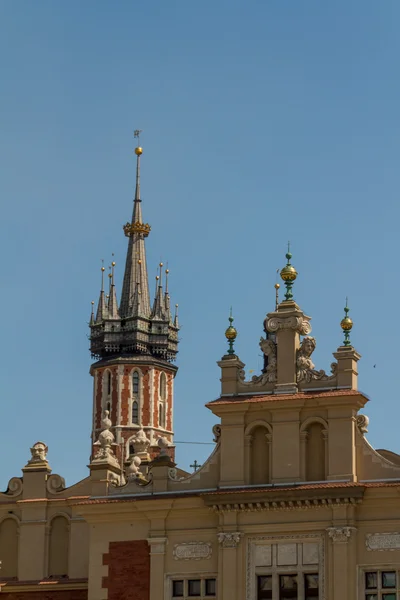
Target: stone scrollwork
300	324
362	423
305	367
340	534
15	486
217	432
229	539
55	483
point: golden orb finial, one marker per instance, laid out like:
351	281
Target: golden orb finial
231	334
138	151
92	302
347	325
277	286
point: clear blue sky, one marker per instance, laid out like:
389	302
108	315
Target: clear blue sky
263	121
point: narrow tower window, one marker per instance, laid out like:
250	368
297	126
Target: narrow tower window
163	386
161	415
108	383
135	384
135	412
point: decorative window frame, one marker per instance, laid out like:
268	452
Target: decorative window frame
170	577
303	444
248	440
252	571
138	398
365	568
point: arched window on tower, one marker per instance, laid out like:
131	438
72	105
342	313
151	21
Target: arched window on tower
107	388
135	412
163	386
135	383
161	415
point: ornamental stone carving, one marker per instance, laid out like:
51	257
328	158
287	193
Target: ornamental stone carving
141	444
157	545
382	541
38	453
217	433
305	366
104	443
229	539
340	535
15	486
55	483
300	324
192	551
362	423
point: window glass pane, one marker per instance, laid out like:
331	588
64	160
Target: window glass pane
288	587
371	597
311	586
210	587
288	582
135	412
389	579
177	589
371	580
265	583
391	596
194	587
265	587
311	581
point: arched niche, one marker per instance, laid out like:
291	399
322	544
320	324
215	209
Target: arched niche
58	547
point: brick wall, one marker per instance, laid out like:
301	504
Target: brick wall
128	570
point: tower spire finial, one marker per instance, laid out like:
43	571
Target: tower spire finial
288	274
101	307
347	325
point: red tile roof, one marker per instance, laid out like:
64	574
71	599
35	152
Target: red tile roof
278	397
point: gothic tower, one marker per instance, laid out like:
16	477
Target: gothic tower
135	346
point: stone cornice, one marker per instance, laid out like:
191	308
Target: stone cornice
277	504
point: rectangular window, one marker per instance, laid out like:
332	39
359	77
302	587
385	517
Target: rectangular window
381	585
194	588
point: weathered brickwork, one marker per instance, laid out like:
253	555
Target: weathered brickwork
125	396
99	398
114	395
128	570
169	401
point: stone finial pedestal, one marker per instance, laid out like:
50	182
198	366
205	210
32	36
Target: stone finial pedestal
230	365
347	374
288	322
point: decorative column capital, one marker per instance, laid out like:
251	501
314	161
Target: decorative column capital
157	545
229	539
340	535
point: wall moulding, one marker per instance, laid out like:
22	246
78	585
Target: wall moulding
192	551
382	541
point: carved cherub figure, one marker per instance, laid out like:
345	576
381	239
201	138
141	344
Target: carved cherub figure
268	348
304	363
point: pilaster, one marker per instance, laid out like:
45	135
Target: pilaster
341	573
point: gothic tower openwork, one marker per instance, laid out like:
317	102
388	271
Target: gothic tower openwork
135	345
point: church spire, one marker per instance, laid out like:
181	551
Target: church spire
135	277
136	327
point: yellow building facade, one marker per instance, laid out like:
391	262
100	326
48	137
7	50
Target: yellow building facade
293	502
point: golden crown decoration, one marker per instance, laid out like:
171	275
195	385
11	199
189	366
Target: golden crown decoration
136	227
